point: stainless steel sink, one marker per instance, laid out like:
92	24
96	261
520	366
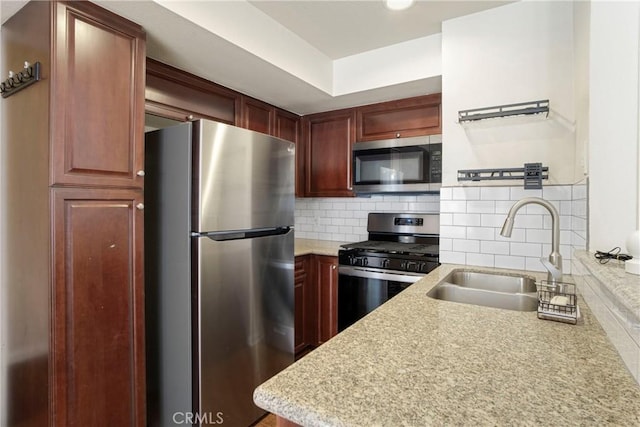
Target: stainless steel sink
492	281
488	289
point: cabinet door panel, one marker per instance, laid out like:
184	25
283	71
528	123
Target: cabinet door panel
257	116
402	118
98	113
98	319
299	292
328	141
288	127
305	305
327	277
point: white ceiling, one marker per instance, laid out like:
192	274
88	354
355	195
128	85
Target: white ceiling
290	53
344	28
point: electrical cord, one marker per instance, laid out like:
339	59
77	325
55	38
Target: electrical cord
605	257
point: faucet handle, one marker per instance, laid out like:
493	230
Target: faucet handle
554	272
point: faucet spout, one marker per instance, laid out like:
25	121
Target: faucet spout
554	264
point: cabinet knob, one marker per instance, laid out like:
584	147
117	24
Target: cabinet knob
190	117
140	173
398	135
140	206
333	267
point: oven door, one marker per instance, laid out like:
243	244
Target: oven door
361	290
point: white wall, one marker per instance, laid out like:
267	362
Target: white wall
581	31
412	60
613	129
520	52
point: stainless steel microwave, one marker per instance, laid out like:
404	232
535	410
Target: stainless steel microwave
401	165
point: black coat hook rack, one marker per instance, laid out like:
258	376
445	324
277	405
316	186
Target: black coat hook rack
18	81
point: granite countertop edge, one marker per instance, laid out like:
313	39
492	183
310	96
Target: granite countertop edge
622	288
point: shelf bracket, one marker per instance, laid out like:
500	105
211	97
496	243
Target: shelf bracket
531	173
522	108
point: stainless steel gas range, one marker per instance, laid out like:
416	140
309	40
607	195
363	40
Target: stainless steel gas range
402	248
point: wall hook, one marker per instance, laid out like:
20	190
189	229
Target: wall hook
18	81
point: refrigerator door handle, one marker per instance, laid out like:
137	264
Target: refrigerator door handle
223	236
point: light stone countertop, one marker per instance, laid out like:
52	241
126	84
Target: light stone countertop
417	361
317	247
623	287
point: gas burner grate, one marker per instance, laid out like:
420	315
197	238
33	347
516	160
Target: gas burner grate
394	247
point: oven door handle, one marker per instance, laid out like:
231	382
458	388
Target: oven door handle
377	274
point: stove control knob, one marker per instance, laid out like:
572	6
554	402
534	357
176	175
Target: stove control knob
411	265
421	266
364	261
385	263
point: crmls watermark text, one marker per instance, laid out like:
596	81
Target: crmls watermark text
190	418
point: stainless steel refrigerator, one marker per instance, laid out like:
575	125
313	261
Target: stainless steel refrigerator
219	270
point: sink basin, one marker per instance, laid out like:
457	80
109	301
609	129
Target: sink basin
491	281
488	289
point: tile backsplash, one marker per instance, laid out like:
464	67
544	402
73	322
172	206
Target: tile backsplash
471	219
345	219
470	222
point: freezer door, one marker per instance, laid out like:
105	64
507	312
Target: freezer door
242	179
246	318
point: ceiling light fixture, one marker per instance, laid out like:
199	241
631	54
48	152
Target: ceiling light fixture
398	4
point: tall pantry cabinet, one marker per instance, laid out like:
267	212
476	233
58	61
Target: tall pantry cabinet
72	219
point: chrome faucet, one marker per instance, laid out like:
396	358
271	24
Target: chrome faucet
554	263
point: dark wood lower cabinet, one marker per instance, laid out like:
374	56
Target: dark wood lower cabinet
305	303
326	270
316	301
98	317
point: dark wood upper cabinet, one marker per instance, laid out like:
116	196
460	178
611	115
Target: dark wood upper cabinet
327	139
287	125
262	117
175	94
257	116
182	96
98	87
402	118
